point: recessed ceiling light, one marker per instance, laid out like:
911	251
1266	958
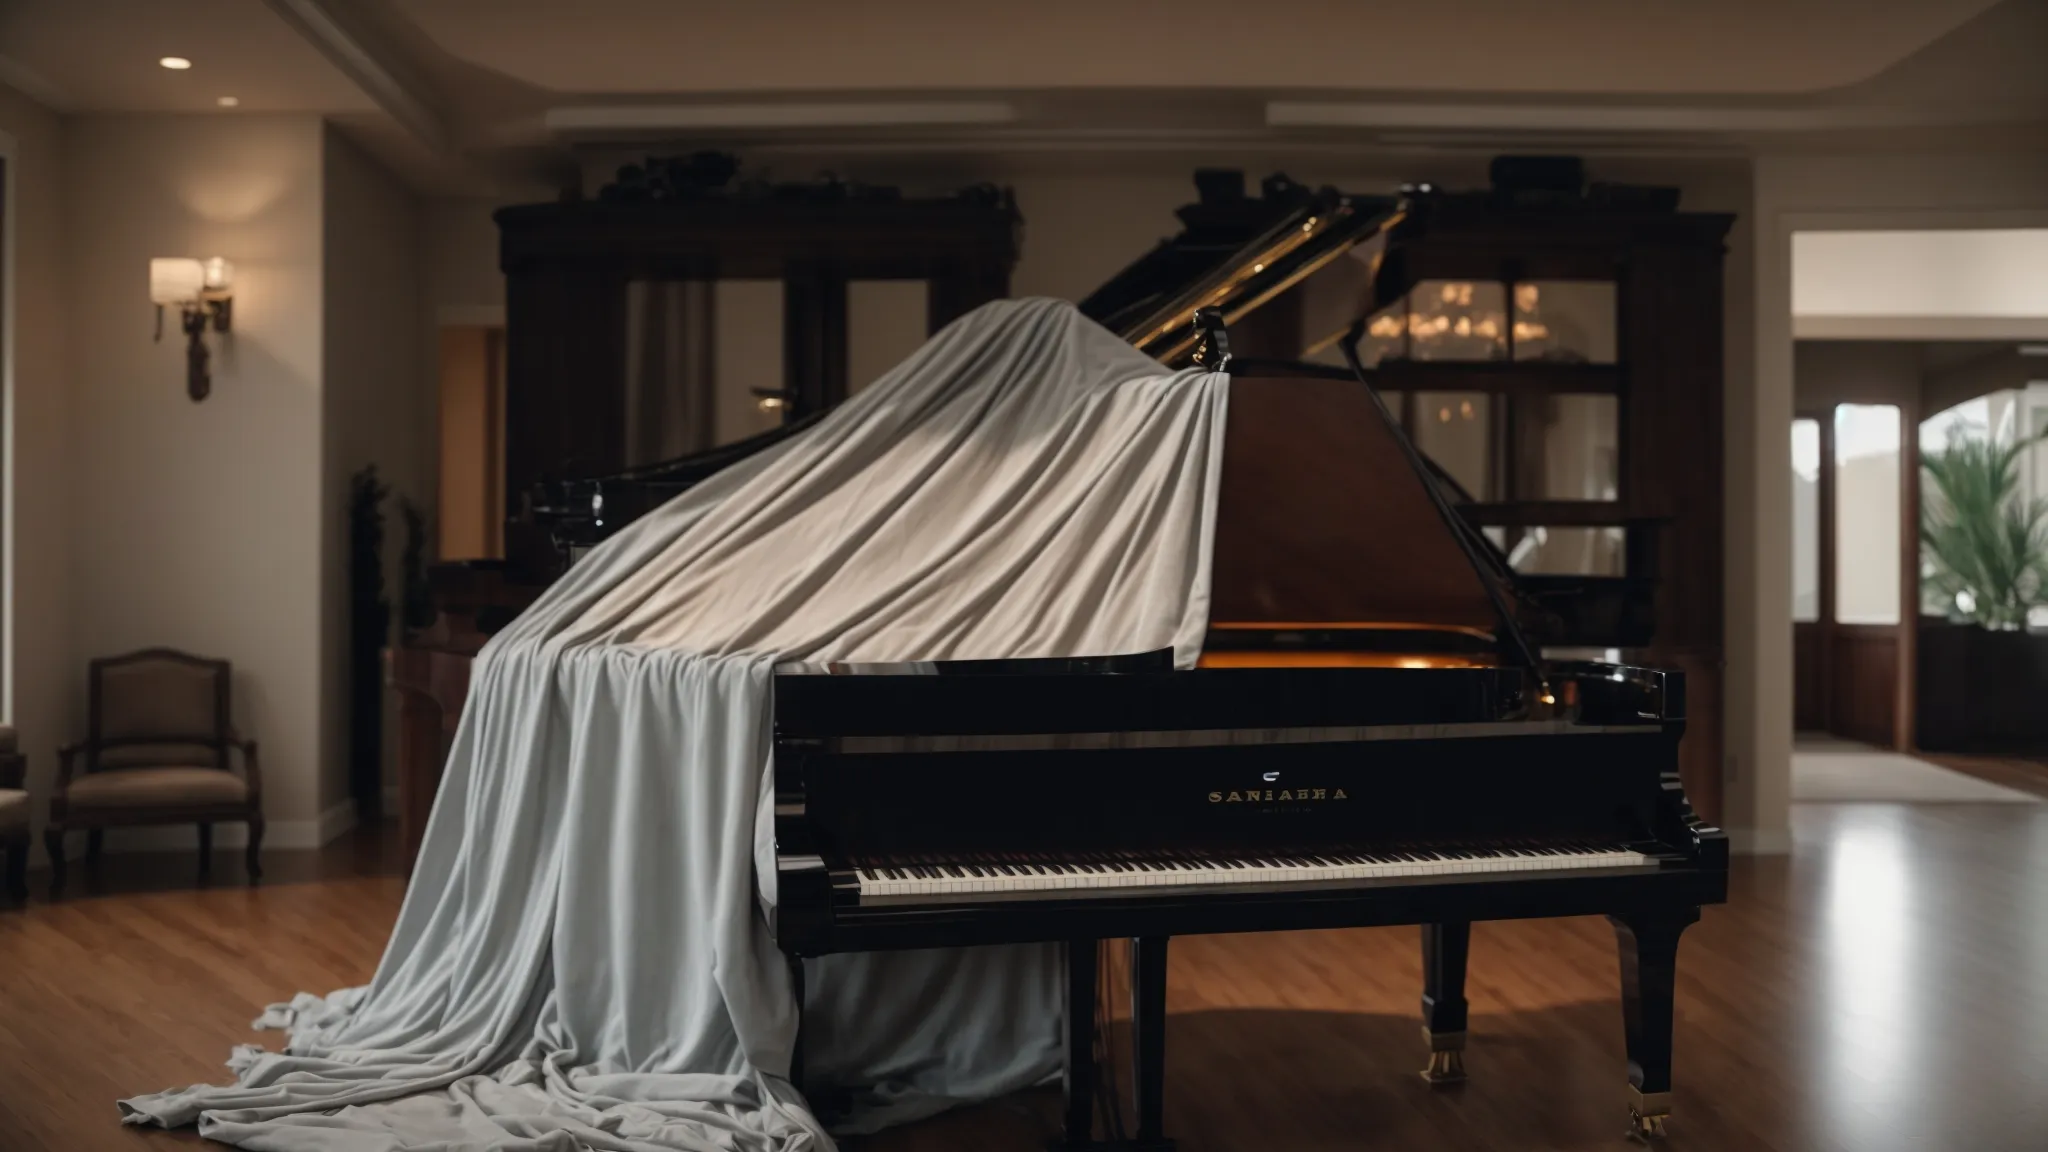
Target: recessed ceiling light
228	101
175	63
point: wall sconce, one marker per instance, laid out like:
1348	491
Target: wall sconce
199	289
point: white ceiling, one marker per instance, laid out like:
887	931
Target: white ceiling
101	56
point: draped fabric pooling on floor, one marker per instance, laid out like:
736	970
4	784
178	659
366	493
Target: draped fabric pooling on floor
584	958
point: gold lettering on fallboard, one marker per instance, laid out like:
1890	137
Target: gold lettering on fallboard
1215	797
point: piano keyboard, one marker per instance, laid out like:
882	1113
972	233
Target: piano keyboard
896	878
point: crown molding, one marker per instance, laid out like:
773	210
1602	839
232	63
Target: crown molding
381	76
2016	328
1560	117
34	85
641	119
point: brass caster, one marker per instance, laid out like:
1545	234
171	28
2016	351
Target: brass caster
1646	1115
1445	1068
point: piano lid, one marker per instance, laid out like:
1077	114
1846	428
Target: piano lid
1328	225
1301	236
1323	524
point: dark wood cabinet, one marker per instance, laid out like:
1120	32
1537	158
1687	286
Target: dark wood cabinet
1665	271
568	267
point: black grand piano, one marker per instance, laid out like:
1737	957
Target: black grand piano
1368	740
1373	735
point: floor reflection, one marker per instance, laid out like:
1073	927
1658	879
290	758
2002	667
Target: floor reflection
1869	1022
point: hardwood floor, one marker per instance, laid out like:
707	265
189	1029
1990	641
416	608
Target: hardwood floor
2023	775
1884	987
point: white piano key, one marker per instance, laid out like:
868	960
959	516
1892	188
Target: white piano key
1049	876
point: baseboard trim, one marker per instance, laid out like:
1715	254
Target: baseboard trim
336	821
1760	841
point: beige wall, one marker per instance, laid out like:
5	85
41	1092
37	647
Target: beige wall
461	287
1906	275
200	525
375	406
43	684
459	254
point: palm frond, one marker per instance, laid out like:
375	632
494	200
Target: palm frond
1984	545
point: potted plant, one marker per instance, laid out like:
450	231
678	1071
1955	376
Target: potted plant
1984	551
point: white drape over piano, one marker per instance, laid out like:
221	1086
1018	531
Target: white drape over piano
584	957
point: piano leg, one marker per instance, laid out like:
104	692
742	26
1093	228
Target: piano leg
1649	969
1079	1083
1444	948
1148	1039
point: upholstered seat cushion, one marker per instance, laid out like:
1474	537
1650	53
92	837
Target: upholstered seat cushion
13	812
6	740
155	788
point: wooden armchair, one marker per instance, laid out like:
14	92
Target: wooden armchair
156	751
13	814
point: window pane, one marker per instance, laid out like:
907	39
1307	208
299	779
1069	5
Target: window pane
1451	429
1571	321
1867	514
1806	520
1571	552
748	351
1457	320
671	401
1579	457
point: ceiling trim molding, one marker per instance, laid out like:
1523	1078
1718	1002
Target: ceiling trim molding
34	85
1920	328
590	119
1623	117
405	102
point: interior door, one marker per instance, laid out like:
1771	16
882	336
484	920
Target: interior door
1855	547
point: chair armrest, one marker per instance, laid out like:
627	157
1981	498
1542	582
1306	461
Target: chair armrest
13	770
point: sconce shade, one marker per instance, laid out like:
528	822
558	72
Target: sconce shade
175	280
220	275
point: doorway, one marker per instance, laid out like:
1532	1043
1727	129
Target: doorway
472	436
1855	591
